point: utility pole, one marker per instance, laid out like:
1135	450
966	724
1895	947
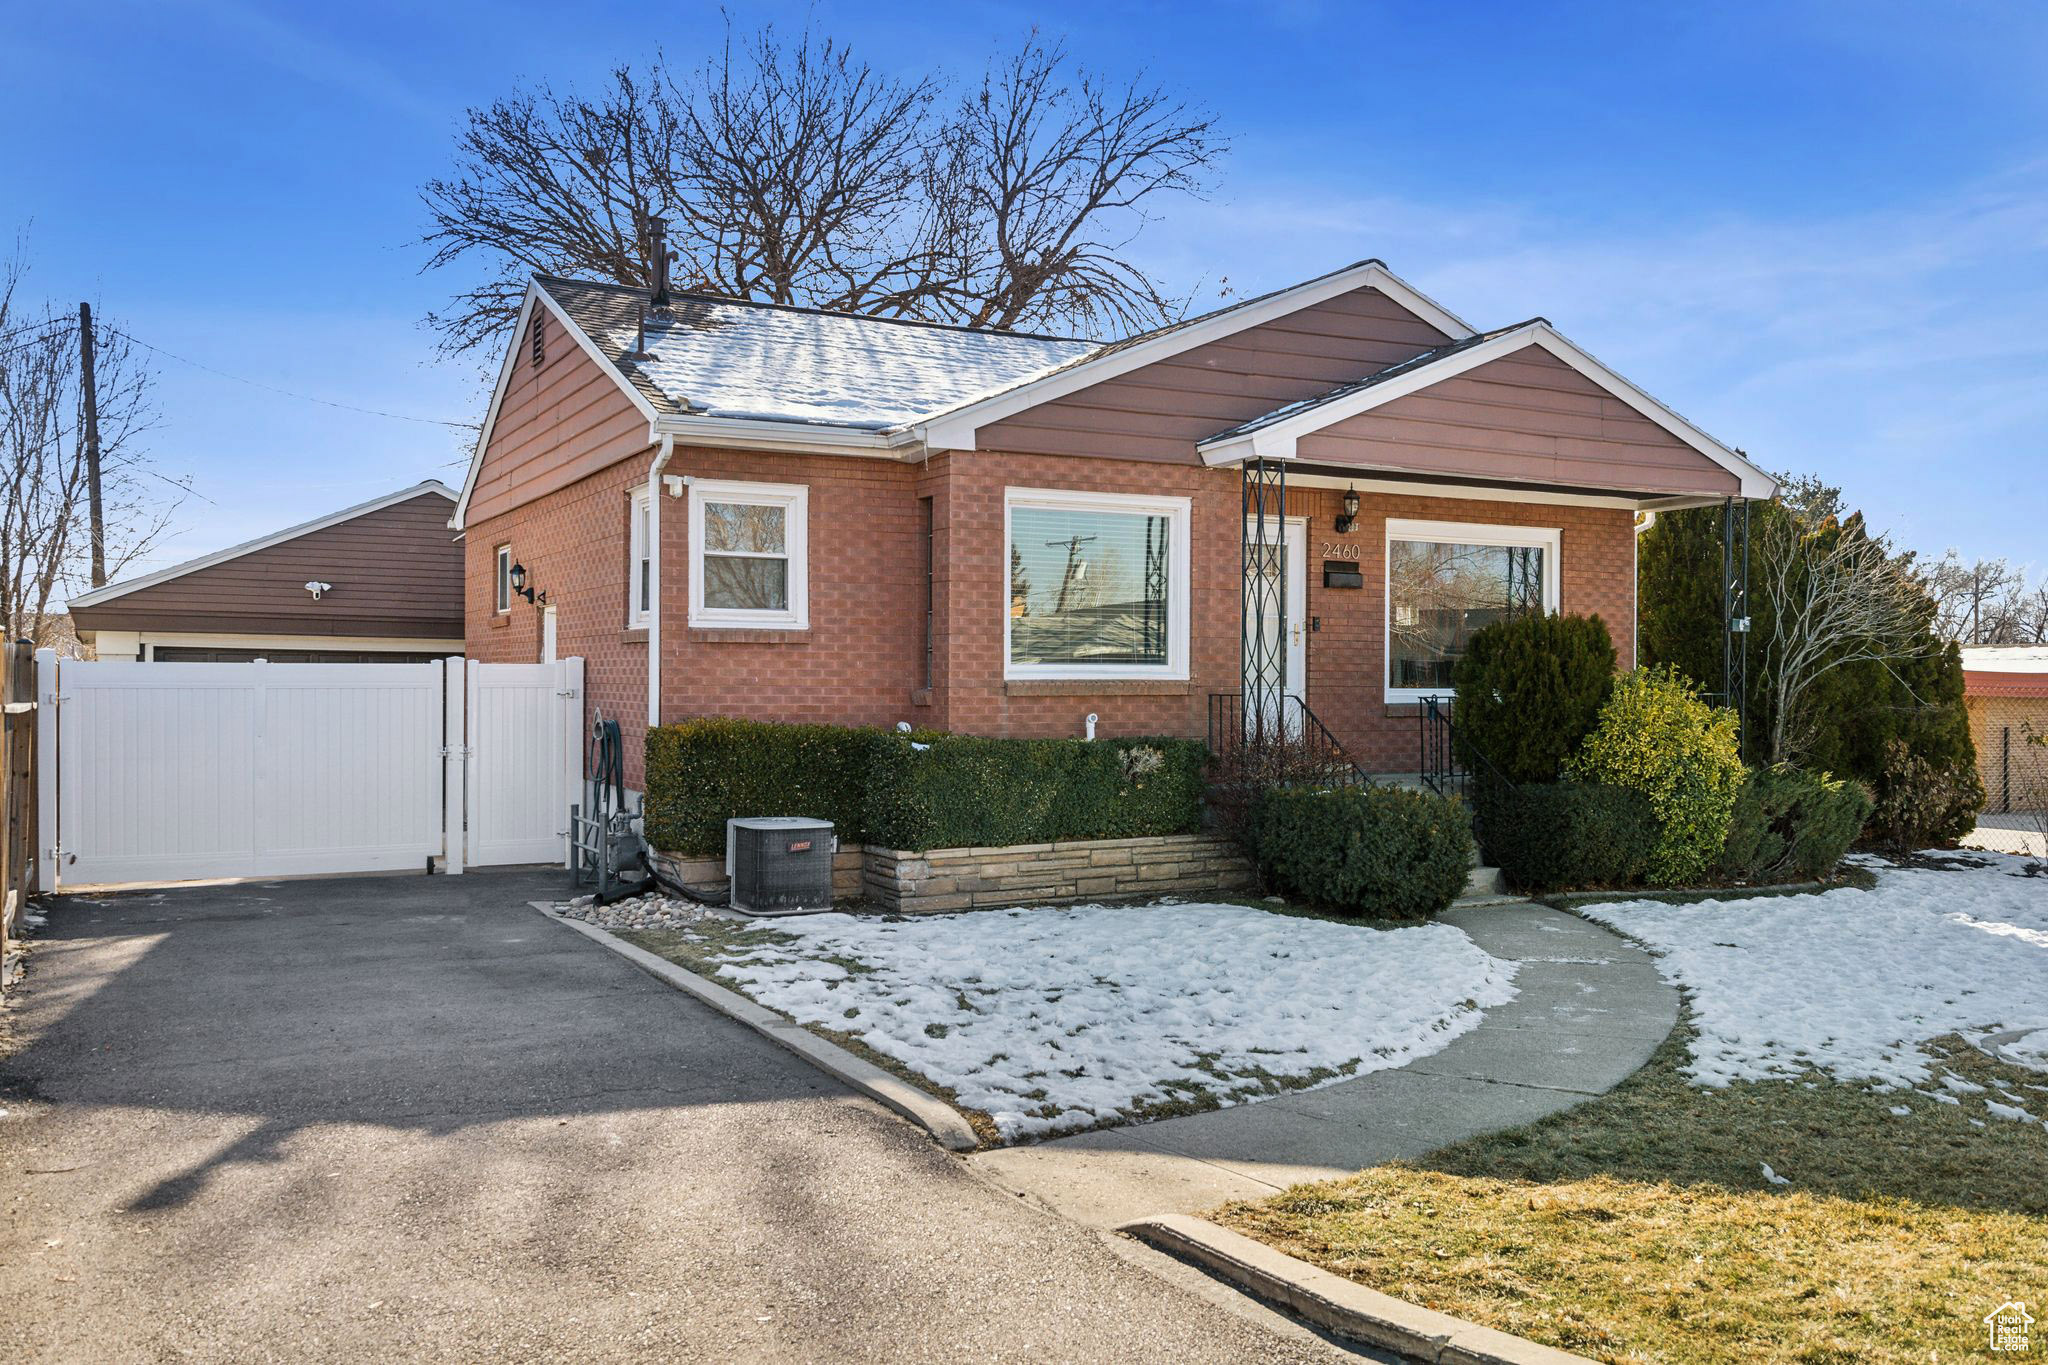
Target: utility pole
92	444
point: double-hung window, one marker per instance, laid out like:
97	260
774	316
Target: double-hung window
1445	581
749	565
1098	585
639	559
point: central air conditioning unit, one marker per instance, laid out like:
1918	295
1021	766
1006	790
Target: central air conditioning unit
779	864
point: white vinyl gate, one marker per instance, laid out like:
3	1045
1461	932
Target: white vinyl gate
184	771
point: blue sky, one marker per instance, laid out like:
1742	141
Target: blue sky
1820	230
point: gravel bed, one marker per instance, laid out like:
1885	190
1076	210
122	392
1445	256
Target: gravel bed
651	911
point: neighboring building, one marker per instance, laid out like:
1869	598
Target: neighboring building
2005	690
871	521
389	589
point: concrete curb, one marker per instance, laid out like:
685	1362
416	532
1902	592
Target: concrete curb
1335	1304
935	1116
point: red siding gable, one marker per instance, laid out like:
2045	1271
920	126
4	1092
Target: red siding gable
1159	411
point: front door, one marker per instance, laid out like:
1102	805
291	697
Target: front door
1296	567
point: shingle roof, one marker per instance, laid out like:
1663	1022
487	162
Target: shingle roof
719	357
1378	377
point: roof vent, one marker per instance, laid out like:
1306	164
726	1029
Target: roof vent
539	339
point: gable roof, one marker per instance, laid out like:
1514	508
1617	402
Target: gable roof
1273	435
99	596
708	356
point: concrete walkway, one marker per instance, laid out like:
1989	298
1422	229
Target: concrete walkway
1591	1011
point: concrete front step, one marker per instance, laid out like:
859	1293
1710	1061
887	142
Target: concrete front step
1483	883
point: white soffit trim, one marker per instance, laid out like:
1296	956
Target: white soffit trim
1277	442
248	547
956	430
535	295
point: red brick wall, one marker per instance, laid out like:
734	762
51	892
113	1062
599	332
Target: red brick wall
863	659
574	543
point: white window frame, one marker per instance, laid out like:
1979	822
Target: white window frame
795	500
639	514
1549	539
1180	582
502	580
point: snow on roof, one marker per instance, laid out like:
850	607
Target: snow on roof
719	357
2006	658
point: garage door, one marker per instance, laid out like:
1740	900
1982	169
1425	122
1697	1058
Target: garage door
183	771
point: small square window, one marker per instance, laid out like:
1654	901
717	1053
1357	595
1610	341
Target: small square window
748	563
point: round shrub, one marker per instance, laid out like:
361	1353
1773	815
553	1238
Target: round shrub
1379	851
1791	824
1658	738
1567	836
1925	801
1530	690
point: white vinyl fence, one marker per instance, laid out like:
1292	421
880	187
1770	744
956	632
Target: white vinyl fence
159	772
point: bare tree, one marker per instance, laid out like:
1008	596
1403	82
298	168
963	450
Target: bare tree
2023	616
1969	598
44	537
1836	595
795	173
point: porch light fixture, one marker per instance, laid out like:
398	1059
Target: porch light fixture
519	582
1350	517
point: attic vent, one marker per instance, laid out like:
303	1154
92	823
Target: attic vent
540	340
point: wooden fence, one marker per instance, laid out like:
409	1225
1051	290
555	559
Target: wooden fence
17	788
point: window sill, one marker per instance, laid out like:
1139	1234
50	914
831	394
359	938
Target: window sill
1097	687
500	620
921	696
634	635
744	635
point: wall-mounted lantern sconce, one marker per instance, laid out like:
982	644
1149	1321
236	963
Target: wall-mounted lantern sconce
1350	517
519	585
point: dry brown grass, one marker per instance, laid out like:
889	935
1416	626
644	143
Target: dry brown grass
1640	1227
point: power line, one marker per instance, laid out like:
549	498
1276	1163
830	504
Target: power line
288	393
47	325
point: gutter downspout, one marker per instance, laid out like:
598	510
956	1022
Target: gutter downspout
655	494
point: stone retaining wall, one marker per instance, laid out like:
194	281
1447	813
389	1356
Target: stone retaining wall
1033	874
1023	874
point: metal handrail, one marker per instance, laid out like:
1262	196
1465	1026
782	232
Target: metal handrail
1229	734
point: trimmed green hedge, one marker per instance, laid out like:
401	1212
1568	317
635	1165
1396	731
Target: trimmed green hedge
1379	851
700	773
915	791
963	791
1791	824
1568	836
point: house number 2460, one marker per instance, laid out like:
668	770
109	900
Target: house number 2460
1340	549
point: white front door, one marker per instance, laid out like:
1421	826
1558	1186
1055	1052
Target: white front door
1296	567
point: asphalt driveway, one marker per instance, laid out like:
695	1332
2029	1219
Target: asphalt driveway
410	1119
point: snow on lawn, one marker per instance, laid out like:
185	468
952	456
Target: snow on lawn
1056	1019
1852	982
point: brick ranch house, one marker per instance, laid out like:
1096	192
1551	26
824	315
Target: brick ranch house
742	509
